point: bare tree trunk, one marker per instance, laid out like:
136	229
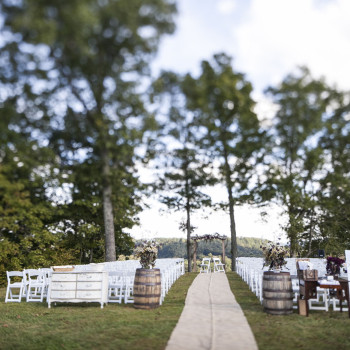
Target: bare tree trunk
223	252
310	237
195	257
232	211
233	230
188	227
291	232
110	254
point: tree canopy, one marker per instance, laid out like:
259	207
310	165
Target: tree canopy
80	114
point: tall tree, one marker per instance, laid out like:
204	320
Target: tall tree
90	55
297	159
26	214
229	130
187	172
334	193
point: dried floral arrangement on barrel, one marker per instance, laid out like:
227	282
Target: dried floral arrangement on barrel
147	252
274	255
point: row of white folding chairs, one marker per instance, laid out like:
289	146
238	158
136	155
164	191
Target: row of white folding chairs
251	272
170	269
121	286
252	276
31	284
121	279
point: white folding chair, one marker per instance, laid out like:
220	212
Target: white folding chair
129	277
115	286
36	285
47	272
15	286
218	266
205	266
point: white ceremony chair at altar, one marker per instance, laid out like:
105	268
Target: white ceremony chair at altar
218	266
15	286
205	266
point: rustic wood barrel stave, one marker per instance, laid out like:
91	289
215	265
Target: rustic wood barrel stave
277	293
147	288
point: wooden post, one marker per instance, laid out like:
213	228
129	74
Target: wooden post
195	257
223	252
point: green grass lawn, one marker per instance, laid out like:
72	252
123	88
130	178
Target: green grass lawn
87	326
321	330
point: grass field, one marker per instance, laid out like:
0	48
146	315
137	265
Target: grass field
320	331
85	326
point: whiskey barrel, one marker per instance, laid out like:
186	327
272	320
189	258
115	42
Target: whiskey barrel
147	288
277	293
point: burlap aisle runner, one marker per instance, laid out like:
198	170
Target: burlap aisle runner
211	318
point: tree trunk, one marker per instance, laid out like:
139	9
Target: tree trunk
233	230
194	257
291	231
310	237
231	210
188	228
223	252
110	254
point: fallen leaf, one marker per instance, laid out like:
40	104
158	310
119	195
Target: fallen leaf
5	325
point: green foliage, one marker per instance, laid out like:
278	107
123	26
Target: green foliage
74	125
70	74
297	160
188	171
26	240
228	128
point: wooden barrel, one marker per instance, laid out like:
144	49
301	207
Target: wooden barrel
277	293
147	288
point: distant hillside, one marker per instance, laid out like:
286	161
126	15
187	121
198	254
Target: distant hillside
176	247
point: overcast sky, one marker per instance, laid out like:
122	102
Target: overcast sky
267	39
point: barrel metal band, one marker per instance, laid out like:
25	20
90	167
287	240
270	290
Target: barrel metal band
147	284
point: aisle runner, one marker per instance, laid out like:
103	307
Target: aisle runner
211	318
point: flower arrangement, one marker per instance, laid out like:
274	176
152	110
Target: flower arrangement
147	253
333	265
274	255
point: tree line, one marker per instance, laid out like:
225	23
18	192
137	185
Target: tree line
176	248
80	113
